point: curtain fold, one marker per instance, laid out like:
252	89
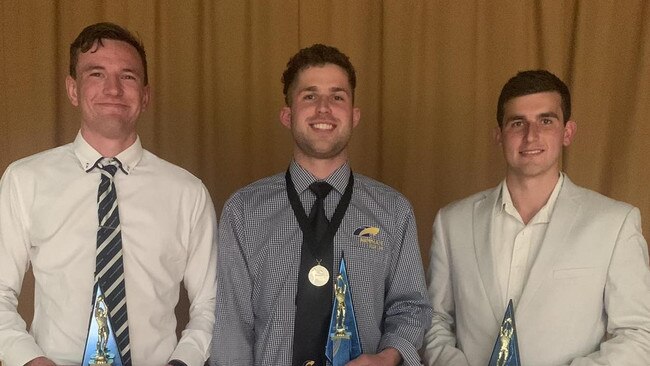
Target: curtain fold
429	74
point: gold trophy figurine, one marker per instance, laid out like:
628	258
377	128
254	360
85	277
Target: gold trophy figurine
506	347
343	343
101	356
339	292
504	342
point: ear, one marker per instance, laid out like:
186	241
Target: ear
356	116
496	135
285	116
71	88
570	129
146	94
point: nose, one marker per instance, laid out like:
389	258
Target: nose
532	131
323	105
113	86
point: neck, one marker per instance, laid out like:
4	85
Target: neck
108	147
529	195
320	168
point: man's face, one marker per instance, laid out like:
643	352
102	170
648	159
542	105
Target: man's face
532	135
109	89
321	116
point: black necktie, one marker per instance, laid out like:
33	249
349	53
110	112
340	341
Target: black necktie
317	216
313	303
109	267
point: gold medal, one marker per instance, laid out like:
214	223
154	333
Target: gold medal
318	275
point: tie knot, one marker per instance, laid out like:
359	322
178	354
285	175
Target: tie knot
109	165
320	189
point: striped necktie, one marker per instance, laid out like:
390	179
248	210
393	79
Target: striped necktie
109	268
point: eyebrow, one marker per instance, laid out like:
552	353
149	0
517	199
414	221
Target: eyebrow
541	115
334	89
98	67
549	114
92	67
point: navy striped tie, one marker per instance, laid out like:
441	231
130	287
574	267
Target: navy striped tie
109	268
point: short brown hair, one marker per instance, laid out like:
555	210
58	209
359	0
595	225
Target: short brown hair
95	33
316	55
532	82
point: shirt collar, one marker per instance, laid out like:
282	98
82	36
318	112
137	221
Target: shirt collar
302	178
88	156
504	203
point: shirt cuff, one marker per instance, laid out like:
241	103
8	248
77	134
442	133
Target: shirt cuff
188	355
176	363
22	352
410	356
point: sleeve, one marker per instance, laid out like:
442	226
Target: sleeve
440	340
407	310
200	282
16	346
234	328
627	301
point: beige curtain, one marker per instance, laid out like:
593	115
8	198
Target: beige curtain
429	76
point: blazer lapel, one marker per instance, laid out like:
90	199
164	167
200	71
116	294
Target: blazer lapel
567	208
483	212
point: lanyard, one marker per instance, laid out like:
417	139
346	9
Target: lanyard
303	220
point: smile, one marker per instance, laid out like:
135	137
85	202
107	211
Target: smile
115	105
323	126
532	152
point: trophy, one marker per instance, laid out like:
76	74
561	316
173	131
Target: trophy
339	292
343	343
506	347
101	348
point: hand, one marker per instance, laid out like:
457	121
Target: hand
40	361
388	357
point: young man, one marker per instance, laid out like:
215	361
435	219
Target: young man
102	212
276	283
573	262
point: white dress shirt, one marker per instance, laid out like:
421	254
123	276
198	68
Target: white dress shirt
48	218
516	244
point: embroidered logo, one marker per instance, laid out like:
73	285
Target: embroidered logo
366	231
367	235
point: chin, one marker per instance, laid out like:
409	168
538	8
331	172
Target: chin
118	134
326	152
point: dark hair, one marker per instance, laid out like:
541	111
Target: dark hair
95	33
532	82
316	55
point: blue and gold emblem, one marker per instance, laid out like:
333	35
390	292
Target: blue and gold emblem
368	236
366	231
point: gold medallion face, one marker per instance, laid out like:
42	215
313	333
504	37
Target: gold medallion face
318	275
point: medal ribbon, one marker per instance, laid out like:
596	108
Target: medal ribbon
303	220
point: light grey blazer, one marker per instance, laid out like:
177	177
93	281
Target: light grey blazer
590	278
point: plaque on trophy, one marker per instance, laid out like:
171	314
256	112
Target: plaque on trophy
101	348
343	343
506	347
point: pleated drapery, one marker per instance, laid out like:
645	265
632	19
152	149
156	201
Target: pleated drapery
429	74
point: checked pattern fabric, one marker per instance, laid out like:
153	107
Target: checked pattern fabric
109	267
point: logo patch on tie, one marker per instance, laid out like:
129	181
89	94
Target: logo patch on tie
368	235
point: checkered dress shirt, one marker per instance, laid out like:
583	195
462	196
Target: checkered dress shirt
259	256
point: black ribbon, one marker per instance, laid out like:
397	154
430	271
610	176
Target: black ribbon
314	304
